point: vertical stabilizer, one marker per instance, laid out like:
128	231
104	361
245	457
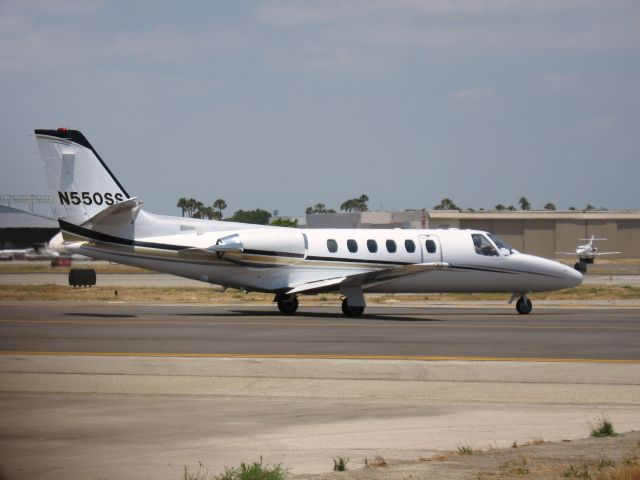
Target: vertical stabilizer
81	184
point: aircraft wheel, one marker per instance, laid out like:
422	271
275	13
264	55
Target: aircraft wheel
524	305
581	267
350	311
288	305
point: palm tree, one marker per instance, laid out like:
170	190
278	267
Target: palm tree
220	205
446	204
182	204
347	206
524	203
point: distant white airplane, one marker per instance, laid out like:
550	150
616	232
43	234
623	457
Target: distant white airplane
587	253
100	219
16	253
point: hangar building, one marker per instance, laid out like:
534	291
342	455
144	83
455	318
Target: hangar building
20	229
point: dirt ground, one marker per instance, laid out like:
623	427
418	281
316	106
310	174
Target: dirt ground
590	458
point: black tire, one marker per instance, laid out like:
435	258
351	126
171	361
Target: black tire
350	311
581	267
524	306
288	306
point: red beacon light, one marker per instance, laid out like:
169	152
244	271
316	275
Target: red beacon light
63	130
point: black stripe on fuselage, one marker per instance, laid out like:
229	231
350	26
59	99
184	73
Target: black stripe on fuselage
356	260
501	270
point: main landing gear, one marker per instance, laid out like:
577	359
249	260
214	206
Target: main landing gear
524	305
351	311
287	304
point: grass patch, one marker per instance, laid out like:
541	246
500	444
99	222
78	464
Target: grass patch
212	295
603	428
253	471
577	471
516	467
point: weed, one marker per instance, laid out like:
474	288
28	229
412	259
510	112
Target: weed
465	450
340	464
606	463
517	467
626	472
377	461
604	428
581	471
514	444
254	471
201	474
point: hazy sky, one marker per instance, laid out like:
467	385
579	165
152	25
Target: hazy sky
284	104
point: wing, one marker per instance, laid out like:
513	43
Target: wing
368	279
567	253
606	253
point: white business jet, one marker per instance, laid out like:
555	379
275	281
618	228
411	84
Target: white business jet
100	219
587	253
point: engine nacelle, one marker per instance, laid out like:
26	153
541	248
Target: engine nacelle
282	243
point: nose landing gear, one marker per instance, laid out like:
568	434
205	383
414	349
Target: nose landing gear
524	305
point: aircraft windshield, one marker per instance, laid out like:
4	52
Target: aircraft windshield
500	243
483	246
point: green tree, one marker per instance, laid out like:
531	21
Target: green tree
524	203
198	209
446	204
361	203
550	206
589	207
319	208
285	222
220	205
182	204
257	216
511	208
500	207
572	208
347	206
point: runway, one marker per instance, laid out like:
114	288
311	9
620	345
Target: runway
140	391
489	333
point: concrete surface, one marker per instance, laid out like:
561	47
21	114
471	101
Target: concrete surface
65	417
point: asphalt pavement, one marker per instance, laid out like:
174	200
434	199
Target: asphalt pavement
599	333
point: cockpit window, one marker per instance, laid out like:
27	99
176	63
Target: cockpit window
483	246
500	243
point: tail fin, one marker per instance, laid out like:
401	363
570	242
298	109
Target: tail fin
81	184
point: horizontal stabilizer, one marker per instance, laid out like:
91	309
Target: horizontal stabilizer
129	205
368	279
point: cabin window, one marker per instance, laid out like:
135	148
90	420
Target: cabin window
431	246
409	246
483	246
391	246
332	245
352	245
372	245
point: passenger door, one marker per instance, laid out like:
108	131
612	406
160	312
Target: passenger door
430	247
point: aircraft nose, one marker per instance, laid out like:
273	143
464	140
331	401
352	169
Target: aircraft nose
571	276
